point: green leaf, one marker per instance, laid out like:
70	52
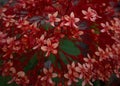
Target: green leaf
79	83
52	58
69	47
5	80
32	63
47	26
97	31
56	80
63	57
96	83
58	65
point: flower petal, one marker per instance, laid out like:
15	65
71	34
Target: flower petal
57	20
54	75
45	70
55	45
54	51
77	19
72	15
51	70
44	48
84	12
55	14
67	24
48	42
69	82
50	81
52	23
66	76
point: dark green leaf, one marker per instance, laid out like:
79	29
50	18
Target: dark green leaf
52	58
69	47
96	83
47	26
79	83
5	80
32	63
63	57
56	80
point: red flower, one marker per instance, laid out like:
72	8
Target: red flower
53	19
72	75
48	76
71	20
50	47
20	78
40	41
85	73
90	14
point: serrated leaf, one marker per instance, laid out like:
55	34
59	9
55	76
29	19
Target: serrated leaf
32	63
69	47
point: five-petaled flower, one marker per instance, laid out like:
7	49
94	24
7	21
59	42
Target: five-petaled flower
50	47
48	75
20	78
84	73
106	27
39	41
71	20
53	18
72	75
90	14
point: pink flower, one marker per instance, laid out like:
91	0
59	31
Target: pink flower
103	54
50	47
7	68
20	78
71	20
72	75
48	75
85	73
77	33
2	37
89	59
106	27
115	25
53	19
39	41
9	20
90	14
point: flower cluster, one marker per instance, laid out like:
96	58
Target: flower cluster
59	42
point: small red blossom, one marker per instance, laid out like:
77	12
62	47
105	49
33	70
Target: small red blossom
53	18
84	73
71	20
90	14
40	41
50	47
72	75
20	78
48	76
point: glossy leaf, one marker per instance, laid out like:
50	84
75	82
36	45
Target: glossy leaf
69	47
